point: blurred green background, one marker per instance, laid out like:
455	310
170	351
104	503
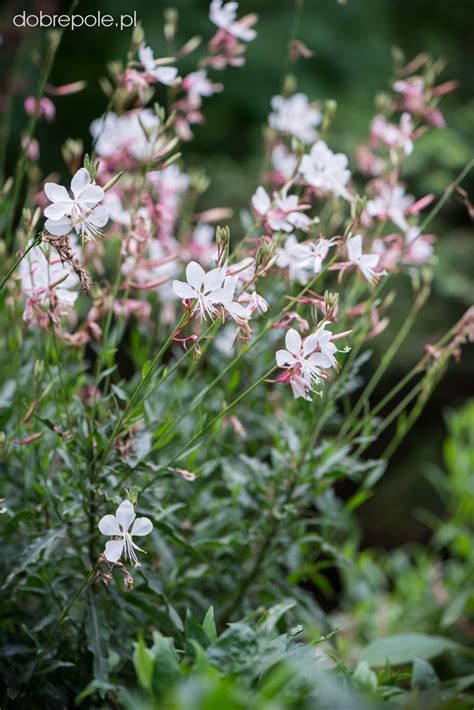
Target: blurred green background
352	44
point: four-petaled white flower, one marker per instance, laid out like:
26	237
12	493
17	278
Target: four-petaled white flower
225	17
391	203
301	357
118	526
284	213
81	212
295	116
206	289
165	75
297	258
326	170
365	262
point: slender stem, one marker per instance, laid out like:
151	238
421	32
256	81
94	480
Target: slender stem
37	240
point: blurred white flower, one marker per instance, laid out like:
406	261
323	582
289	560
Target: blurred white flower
326	170
225	17
165	75
295	116
365	262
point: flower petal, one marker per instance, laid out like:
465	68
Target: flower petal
213	279
80	181
141	526
56	210
293	341
109	525
354	247
125	514
58	228
114	550
91	195
310	343
195	275
283	357
99	216
184	290
56	193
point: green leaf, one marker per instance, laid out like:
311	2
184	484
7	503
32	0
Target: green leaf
209	624
194	632
166	671
424	675
404	648
44	544
143	661
96	634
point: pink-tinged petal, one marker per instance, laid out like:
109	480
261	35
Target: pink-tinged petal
91	195
293	341
370	260
142	526
165	75
184	290
56	193
113	550
310	343
354	247
58	228
283	357
108	525
57	210
125	514
195	275
213	279
261	201
80	181
99	216
319	360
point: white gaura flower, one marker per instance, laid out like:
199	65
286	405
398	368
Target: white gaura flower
301	357
391	203
295	116
115	135
81	212
165	75
118	526
326	170
297	258
284	213
206	289
365	262
225	17
319	251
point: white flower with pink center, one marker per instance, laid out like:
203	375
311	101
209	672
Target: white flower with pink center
205	289
283	213
391	203
164	75
304	359
225	17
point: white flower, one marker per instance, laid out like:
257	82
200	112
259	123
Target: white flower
225	17
117	212
283	161
81	212
301	356
295	116
319	251
323	339
326	170
206	289
40	274
391	203
165	75
284	214
118	526
365	262
116	134
297	258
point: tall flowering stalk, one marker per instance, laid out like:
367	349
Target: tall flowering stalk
187	358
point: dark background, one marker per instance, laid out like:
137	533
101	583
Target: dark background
352	45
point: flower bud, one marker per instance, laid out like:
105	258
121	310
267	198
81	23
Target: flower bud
171	23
